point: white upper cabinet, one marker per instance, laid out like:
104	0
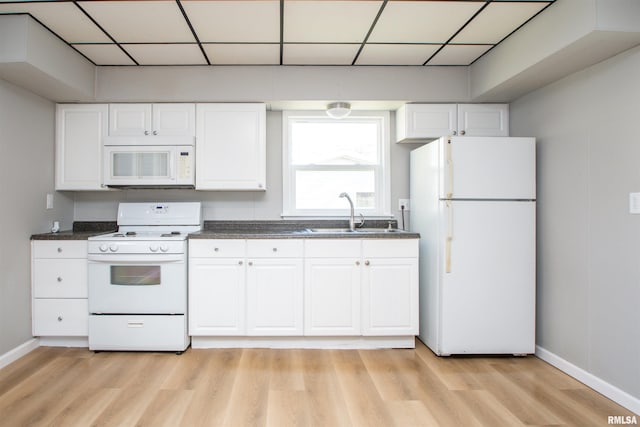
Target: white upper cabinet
231	146
80	129
152	120
424	122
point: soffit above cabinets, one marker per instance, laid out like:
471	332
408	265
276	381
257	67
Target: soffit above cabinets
280	32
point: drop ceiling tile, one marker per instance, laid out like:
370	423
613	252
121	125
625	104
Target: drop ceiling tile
396	54
459	54
140	21
166	54
496	21
422	22
319	54
235	21
104	54
248	54
64	19
328	21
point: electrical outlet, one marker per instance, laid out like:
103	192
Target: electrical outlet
49	200
405	203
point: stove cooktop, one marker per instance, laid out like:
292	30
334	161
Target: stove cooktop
141	235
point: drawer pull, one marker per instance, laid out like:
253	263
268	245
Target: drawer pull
366	262
59	250
59	279
216	249
132	324
275	249
240	263
59	318
250	263
357	262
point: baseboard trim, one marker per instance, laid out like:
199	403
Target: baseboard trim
15	354
621	397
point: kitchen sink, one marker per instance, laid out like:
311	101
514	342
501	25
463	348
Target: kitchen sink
357	230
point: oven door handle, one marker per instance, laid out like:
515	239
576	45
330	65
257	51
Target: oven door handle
141	259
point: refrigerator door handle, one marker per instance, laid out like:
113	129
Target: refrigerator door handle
447	265
449	170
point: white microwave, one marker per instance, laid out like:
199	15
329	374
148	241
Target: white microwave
149	162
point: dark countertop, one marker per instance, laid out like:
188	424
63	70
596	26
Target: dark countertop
285	229
298	229
82	230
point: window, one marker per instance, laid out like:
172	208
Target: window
323	157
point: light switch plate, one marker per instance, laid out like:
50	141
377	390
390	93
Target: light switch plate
634	203
49	200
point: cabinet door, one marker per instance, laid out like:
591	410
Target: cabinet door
216	296
332	296
230	147
274	297
130	119
483	119
425	121
79	133
390	296
174	120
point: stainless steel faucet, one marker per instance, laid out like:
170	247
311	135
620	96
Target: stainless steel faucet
351	221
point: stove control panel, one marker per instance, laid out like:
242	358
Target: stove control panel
137	247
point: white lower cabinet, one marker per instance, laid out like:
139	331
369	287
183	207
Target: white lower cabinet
274	296
59	288
303	288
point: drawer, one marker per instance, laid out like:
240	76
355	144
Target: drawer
390	248
217	248
60	249
138	332
275	248
60	278
60	317
332	248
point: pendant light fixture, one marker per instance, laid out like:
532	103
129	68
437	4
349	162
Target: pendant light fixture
338	110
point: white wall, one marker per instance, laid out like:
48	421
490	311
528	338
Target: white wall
266	205
26	176
588	243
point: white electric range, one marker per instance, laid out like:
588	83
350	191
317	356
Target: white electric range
138	278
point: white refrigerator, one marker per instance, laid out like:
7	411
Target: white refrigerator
473	203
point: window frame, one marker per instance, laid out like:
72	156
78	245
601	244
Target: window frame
382	170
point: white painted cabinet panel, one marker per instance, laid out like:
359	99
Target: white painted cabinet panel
80	129
332	296
231	147
274	296
390	296
216	296
425	122
152	119
59	288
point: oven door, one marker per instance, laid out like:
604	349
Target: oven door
148	285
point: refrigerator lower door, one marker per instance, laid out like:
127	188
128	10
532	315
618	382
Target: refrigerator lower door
487	295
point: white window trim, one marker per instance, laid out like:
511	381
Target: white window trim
288	188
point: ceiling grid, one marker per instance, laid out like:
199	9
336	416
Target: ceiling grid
281	32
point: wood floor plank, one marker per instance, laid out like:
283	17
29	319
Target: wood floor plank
262	387
324	398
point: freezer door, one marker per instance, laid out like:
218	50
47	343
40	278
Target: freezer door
487	168
487	297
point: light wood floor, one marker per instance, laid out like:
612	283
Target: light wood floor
249	387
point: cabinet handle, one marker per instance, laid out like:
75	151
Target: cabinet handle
250	263
59	318
455	133
357	262
240	262
146	132
155	132
366	262
259	185
275	249
59	250
59	279
462	132
216	249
